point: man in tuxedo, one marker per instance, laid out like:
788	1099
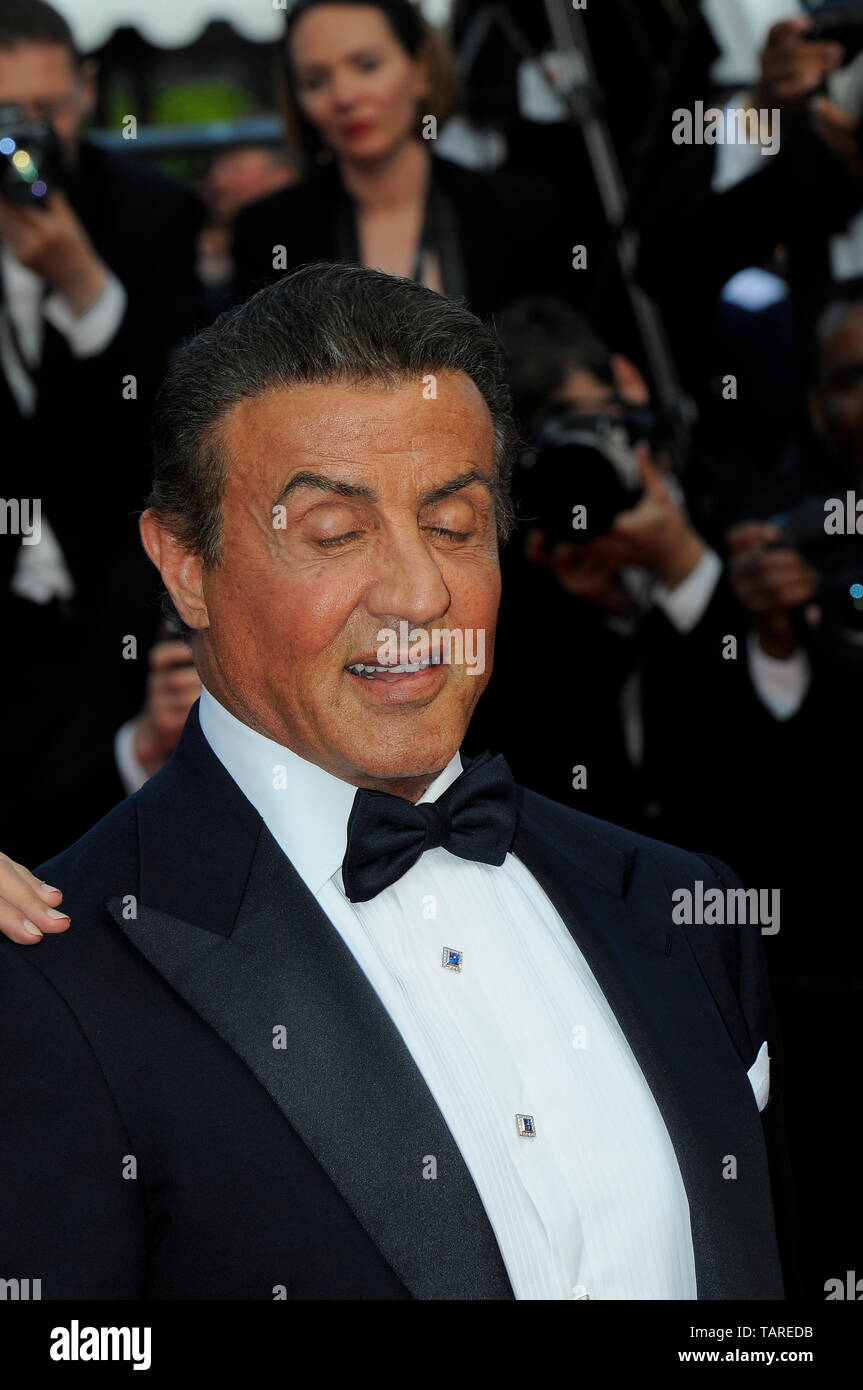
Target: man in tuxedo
337	1017
97	285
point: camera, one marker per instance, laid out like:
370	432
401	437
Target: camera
838	561
843	25
30	158
577	461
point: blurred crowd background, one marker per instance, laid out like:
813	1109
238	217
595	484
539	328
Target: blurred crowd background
681	307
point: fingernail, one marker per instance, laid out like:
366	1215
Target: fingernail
30	927
53	913
48	888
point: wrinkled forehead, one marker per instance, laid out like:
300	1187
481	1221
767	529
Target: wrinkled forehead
391	437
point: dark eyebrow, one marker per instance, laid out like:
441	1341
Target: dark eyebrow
324	484
357	56
473	475
343	489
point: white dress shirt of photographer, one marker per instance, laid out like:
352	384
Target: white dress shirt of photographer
41	573
780	684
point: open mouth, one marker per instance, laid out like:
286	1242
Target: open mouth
373	671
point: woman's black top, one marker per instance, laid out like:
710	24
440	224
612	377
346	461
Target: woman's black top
497	235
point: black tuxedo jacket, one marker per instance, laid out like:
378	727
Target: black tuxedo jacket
155	1144
515	233
75	780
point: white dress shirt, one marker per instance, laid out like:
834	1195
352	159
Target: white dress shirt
684	606
40	572
781	683
130	771
594	1202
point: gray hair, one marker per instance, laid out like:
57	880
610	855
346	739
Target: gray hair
324	323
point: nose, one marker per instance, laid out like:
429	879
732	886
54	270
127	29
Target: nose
343	90
408	583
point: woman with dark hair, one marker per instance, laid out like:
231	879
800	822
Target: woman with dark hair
366	84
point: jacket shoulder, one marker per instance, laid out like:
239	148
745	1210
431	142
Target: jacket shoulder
102	862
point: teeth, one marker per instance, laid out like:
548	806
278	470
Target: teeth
404	668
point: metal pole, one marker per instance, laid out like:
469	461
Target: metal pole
582	95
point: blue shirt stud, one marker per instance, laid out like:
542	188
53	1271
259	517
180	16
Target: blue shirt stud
452	959
526	1126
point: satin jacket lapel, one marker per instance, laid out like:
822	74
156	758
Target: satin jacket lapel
265	957
687	1054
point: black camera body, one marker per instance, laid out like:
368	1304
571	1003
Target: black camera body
30	158
580	471
838	561
843	26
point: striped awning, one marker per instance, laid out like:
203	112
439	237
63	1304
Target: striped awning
175	23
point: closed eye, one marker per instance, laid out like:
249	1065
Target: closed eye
329	541
451	535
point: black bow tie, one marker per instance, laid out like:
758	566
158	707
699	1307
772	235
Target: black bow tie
475	819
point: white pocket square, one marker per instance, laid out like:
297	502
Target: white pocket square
759	1077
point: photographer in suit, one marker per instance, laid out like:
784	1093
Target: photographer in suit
136	687
796	561
610	567
725	206
373	1023
96	285
796	558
